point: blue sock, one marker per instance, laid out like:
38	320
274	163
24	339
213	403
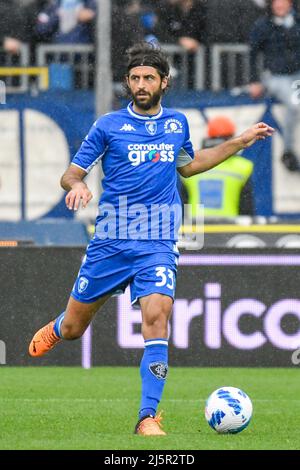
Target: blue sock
57	325
153	370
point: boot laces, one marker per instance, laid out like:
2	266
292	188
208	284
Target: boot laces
48	335
158	419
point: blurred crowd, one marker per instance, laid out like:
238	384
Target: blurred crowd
189	23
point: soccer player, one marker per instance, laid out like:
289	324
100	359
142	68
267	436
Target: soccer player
140	147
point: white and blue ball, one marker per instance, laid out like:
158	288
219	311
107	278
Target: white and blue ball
228	410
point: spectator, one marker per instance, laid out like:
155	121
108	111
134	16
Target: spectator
125	19
14	27
224	191
222	21
181	21
277	37
249	11
230	21
149	21
67	21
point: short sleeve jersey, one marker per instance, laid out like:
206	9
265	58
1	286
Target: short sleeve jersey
139	156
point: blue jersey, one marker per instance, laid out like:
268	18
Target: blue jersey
139	157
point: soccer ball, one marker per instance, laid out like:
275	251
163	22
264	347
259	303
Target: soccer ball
228	410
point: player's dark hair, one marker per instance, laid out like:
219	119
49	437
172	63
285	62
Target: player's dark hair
148	54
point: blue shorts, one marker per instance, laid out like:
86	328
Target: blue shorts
148	266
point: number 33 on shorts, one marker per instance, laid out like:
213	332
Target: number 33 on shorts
165	277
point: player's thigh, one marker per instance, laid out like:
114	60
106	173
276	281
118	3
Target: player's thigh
79	314
156	307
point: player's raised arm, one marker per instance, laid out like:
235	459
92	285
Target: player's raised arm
72	181
208	158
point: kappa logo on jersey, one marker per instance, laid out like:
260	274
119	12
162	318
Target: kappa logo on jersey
127	128
173	126
140	153
151	127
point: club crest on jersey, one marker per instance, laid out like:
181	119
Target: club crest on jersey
82	284
151	127
173	126
159	369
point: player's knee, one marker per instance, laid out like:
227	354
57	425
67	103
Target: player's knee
71	332
158	321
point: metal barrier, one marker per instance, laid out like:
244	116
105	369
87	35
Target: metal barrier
179	62
80	57
2	92
15	84
230	63
200	69
41	73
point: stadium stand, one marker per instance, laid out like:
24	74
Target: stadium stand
55	232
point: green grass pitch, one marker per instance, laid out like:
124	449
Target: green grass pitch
72	408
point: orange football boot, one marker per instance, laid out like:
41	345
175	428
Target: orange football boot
44	340
150	426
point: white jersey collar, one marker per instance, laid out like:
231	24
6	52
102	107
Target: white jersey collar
142	116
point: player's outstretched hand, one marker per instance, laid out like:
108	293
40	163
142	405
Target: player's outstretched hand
79	192
257	132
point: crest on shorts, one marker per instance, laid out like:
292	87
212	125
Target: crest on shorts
82	284
151	127
159	369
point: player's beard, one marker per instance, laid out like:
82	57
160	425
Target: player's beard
150	103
